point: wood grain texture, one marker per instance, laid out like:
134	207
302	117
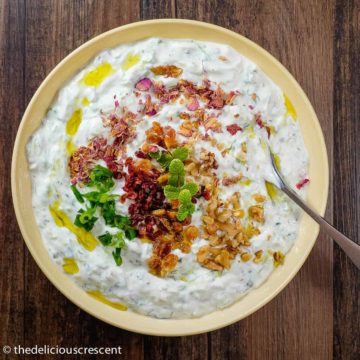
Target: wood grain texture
12	304
347	176
317	316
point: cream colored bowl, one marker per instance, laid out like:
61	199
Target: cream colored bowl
317	192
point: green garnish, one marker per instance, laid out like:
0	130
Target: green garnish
155	155
192	187
101	178
185	209
85	218
121	222
176	189
130	233
165	158
117	242
117	256
105	239
171	192
182	213
181	153
97	197
108	212
184	196
77	194
186	206
176	167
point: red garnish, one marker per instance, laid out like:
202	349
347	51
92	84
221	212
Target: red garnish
150	108
233	128
230	97
217	99
143	84
193	104
163	94
259	120
82	160
301	183
140	154
142	187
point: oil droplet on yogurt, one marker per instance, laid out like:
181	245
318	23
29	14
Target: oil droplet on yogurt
98	295
96	76
70	266
74	122
130	61
86	239
290	110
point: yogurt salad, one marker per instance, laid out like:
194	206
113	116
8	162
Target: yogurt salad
152	182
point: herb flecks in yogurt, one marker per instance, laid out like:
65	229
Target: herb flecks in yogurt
167	177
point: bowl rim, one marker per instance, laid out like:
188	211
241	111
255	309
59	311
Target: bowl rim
162	327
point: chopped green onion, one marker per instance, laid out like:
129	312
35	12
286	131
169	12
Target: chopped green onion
105	239
102	178
130	233
118	240
117	256
77	194
85	218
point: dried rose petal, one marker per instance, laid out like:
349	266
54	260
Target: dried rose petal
233	128
150	108
216	99
151	112
301	183
170	138
213	124
230	97
143	84
193	104
259	120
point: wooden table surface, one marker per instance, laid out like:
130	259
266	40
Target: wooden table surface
317	316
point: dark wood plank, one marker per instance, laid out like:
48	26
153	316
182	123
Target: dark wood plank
153	9
11	107
49	317
290	30
347	176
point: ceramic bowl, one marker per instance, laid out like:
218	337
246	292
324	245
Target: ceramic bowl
317	190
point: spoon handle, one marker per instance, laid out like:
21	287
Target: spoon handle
351	249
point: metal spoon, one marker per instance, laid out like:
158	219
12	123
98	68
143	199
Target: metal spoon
351	249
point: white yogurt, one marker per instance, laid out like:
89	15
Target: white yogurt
204	290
